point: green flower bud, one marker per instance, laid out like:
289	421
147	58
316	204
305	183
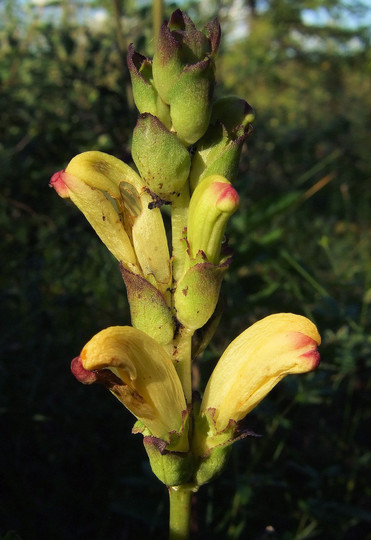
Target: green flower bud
181	44
219	150
210	448
148	308
195	44
145	94
183	73
171	468
211	205
212	466
190	101
167	62
233	112
197	294
162	160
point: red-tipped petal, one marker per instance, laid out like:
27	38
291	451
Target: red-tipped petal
82	375
57	182
227	197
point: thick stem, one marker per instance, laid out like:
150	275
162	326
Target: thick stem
183	362
180	499
180	513
179	214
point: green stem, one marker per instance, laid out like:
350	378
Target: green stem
183	362
179	214
180	513
157	18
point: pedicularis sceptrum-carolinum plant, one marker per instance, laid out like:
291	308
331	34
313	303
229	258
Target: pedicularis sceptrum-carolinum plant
186	147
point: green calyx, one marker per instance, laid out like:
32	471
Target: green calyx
233	112
171	468
162	160
184	74
180	45
219	150
194	44
211	448
197	294
144	93
190	101
167	62
148	308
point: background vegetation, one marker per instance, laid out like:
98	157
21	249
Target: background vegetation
69	466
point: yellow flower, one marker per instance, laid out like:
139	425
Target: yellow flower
101	215
255	362
115	201
138	371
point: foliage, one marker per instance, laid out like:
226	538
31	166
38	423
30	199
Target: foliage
302	244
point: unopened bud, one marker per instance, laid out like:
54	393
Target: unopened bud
145	94
197	294
219	150
211	205
183	73
190	101
140	69
162	160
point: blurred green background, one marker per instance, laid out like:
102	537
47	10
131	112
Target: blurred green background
69	467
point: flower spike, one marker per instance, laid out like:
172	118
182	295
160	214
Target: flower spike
186	148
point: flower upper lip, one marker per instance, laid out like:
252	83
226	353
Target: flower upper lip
256	361
132	232
141	375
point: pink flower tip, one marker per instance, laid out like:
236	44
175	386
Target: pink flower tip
82	375
227	199
57	182
309	348
313	357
